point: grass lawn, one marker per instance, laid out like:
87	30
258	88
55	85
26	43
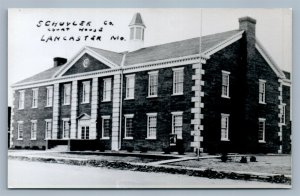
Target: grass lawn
264	164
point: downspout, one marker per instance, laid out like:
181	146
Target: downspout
121	101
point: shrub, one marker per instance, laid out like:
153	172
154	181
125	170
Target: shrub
167	150
101	147
35	148
18	147
144	149
129	149
27	147
43	148
243	160
252	159
224	157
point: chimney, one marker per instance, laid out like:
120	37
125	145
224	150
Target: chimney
137	32
58	61
248	25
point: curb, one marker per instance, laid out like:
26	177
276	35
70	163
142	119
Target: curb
197	172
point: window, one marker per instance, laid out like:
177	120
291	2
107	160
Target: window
33	129
153	83
224	127
261	130
67	94
35	94
49	100
85	132
130	86
66	128
21	99
105	127
131	33
151	125
107	89
138	33
48	128
282	120
20	130
85	92
178	81
177	124
129	126
262	91
225	84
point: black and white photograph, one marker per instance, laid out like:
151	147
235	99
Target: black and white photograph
149	98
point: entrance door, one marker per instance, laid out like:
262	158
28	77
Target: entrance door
85	132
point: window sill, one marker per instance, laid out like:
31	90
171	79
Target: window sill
84	102
66	104
225	140
20	108
105	138
150	138
105	101
34	107
48	106
128	138
132	98
33	139
177	94
264	103
224	96
20	139
261	141
154	96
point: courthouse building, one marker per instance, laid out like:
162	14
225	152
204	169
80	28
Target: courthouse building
225	93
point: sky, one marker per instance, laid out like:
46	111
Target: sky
28	55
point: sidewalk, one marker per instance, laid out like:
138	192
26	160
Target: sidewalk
119	162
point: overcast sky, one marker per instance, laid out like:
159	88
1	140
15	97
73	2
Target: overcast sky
28	55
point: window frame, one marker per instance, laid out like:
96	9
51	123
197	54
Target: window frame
107	82
20	124
262	95
35	98
127	88
149	116
21	101
66	120
263	140
179	113
49	98
225	74
86	92
106	117
128	116
33	132
179	70
67	98
226	129
155	86
46	128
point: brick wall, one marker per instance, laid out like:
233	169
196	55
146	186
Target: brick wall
27	114
104	109
229	59
163	105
